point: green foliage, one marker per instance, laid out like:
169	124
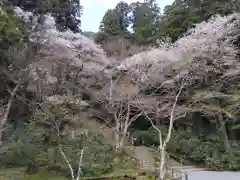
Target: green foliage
116	21
36	147
89	34
204	149
148	24
35	154
182	15
110	23
43	176
11	29
66	12
144	19
236	127
100	37
208	150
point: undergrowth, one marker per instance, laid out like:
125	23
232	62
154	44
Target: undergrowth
206	150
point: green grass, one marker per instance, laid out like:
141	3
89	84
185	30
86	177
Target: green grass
44	176
18	174
11	174
124	167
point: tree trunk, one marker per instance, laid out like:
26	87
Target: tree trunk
117	136
123	136
224	136
117	145
4	116
121	143
162	172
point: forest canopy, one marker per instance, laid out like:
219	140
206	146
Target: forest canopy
149	24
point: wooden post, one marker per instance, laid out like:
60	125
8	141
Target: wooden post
186	177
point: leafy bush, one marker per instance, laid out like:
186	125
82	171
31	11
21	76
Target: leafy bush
11	29
36	146
205	149
98	157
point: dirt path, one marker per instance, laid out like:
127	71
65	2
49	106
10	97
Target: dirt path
144	158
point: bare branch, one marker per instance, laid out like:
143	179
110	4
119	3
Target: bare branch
155	127
4	117
67	161
80	164
172	116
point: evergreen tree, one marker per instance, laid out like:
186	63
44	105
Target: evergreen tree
116	21
110	23
182	15
144	20
122	9
148	24
66	12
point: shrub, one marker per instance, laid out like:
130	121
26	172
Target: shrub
11	29
204	149
36	154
